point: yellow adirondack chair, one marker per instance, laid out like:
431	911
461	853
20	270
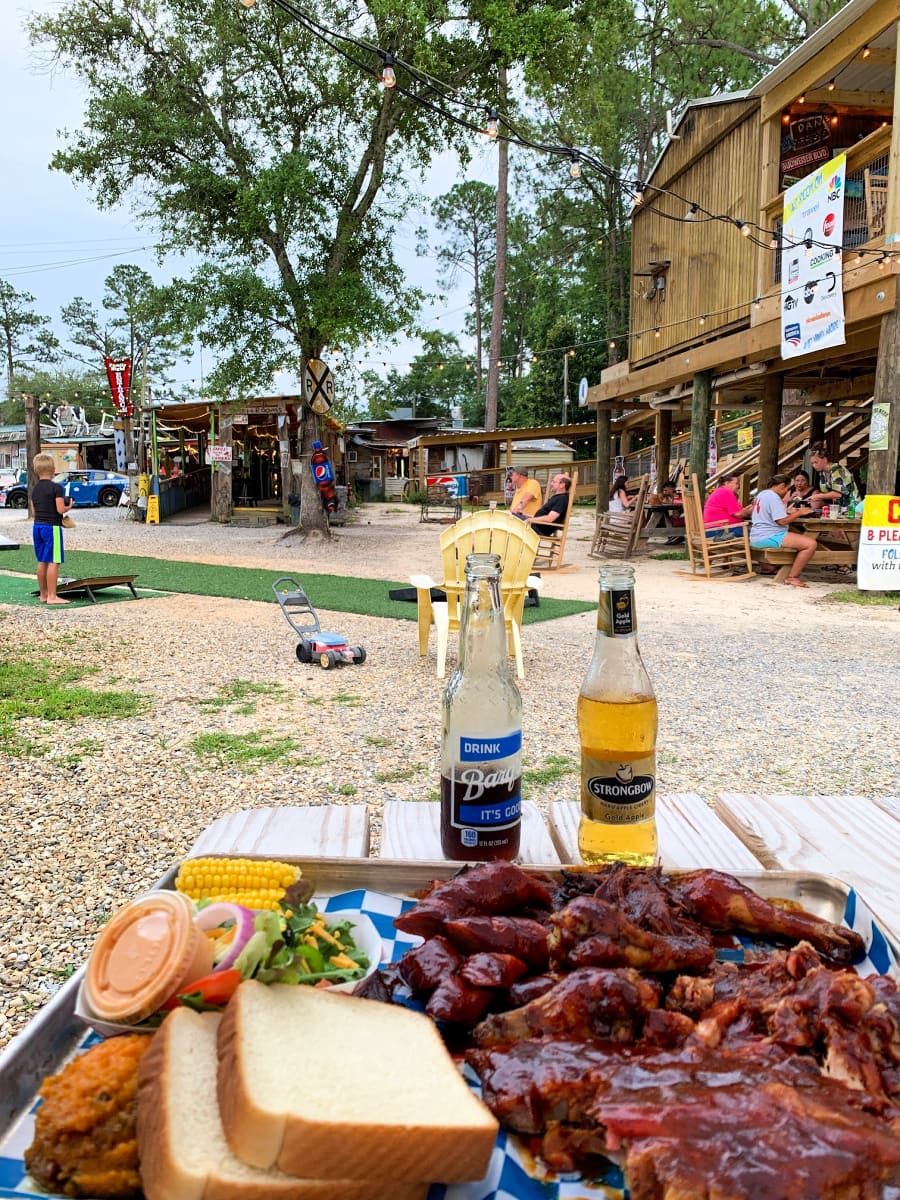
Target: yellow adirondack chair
485	532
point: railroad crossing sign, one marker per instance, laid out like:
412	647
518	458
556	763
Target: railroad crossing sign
318	386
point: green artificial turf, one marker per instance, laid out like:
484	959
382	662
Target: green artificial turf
334	593
16	590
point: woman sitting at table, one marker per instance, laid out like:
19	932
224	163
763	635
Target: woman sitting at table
769	527
619	500
801	492
722	505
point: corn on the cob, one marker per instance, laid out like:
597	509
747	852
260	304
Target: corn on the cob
246	881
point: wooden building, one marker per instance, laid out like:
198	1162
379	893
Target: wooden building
706	315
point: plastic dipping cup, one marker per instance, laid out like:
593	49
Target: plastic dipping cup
492	505
143	955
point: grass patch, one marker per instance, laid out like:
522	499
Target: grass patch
242	749
371	740
400	775
47	692
667	555
334	593
869	599
243	692
555	767
348	700
346	789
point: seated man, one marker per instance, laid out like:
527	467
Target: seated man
527	496
722	504
549	517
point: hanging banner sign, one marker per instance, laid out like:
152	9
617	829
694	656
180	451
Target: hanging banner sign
745	437
878	560
812	294
118	372
712	455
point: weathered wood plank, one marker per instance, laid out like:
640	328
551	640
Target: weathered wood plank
412	830
690	834
320	831
851	837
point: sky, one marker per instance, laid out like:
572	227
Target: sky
56	245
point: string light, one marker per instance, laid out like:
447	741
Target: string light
575	168
703	319
757	302
866	51
388	74
639	193
692	212
493	124
743	227
801	99
775	240
831	83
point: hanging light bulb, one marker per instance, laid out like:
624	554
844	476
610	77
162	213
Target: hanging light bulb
248	3
493	124
801	99
703	318
785	118
692	212
575	168
882	262
743	227
834	120
388	74
775	240
440	366
808	243
757	302
612	344
866	51
638	192
656	332
831	84
534	358
571	353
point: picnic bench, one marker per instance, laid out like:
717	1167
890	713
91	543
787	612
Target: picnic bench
824	556
851	838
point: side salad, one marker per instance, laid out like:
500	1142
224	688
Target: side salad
294	943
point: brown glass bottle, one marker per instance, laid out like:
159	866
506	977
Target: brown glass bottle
617	724
481	734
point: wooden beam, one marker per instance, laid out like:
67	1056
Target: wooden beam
882	478
883	101
892	207
831	58
770	426
663	435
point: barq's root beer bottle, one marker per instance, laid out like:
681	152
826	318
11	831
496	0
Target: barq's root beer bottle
617	721
481	735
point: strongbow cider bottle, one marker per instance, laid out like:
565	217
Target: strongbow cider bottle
481	736
617	722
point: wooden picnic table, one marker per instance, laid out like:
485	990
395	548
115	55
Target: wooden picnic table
825	556
852	838
659	526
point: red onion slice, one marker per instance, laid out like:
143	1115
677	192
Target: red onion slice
224	913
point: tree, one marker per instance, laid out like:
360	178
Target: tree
242	133
466	216
26	339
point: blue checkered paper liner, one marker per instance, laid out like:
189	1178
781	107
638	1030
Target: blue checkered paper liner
513	1174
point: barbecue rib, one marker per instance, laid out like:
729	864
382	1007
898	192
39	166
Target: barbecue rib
721	902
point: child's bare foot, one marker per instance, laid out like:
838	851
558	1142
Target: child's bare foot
56	600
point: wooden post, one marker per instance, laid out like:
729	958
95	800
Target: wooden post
222	473
816	427
32	438
882	475
769	428
663	435
700	410
603	459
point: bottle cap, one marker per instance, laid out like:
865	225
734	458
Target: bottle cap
317	445
143	955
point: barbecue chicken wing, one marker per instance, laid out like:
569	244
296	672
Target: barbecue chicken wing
591	932
723	903
590	1003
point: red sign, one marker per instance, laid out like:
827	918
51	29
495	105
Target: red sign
828	224
118	372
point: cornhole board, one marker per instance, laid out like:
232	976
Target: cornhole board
94	583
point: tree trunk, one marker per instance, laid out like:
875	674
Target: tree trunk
32	435
493	374
882	475
700	408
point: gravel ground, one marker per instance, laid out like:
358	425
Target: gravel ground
761	688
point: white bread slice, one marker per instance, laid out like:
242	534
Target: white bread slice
361	1089
183	1151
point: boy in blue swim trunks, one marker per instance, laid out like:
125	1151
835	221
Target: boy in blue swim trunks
49	504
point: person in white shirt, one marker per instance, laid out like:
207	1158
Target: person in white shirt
769	522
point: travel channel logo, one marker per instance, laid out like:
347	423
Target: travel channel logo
792	334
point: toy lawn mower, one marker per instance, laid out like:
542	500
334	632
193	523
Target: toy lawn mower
331	649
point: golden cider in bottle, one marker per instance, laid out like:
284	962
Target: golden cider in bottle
617	722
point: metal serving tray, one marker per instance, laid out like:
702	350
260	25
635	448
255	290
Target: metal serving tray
56	1033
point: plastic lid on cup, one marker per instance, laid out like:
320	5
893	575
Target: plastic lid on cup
149	949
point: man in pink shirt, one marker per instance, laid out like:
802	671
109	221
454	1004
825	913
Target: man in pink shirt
723	505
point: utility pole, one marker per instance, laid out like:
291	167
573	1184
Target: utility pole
565	410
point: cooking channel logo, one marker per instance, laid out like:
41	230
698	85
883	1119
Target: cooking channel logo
792	334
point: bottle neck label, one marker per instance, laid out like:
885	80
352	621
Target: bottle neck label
615	613
618	793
